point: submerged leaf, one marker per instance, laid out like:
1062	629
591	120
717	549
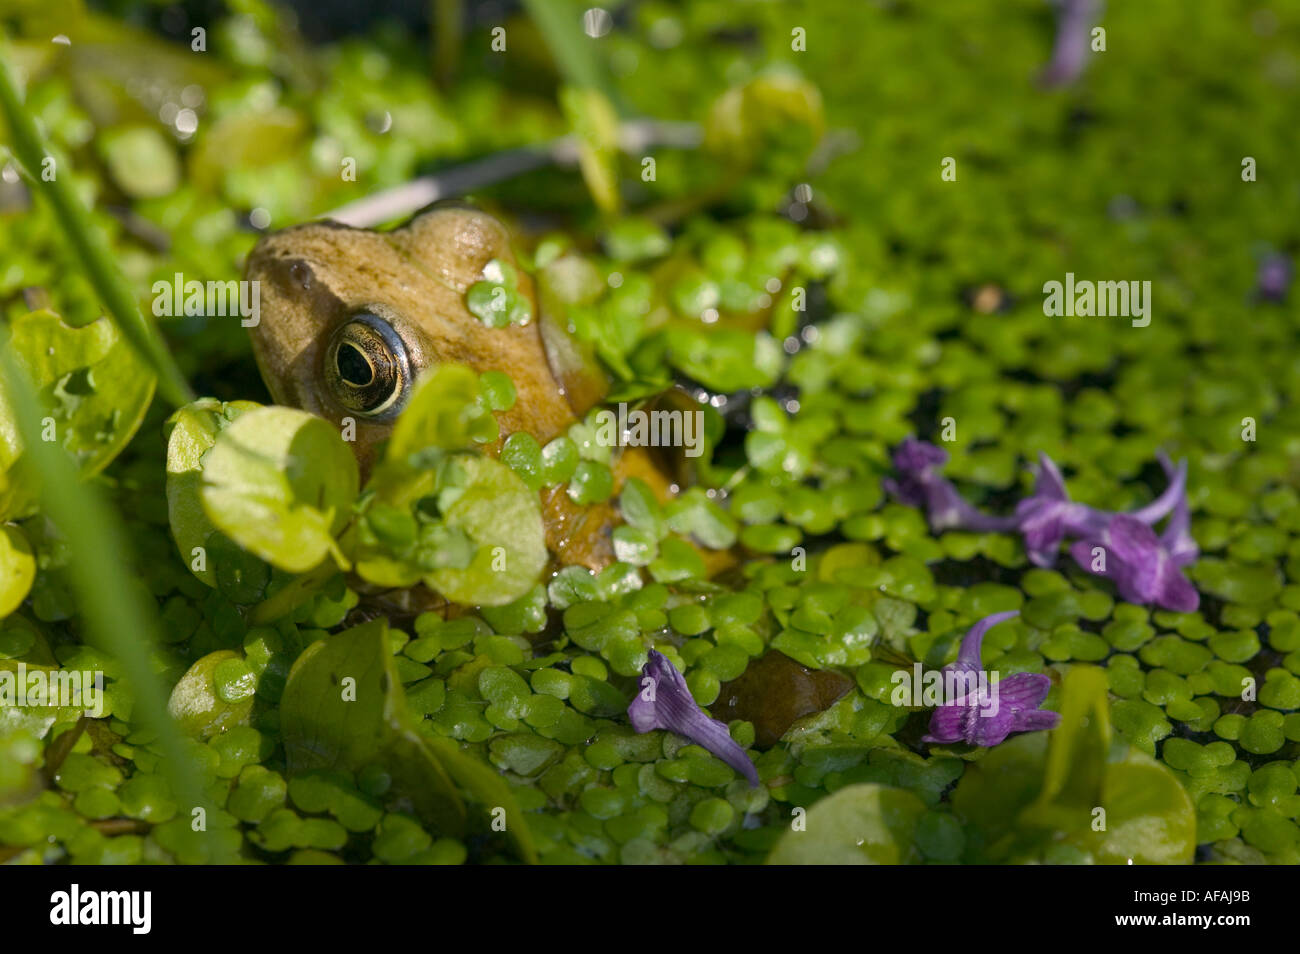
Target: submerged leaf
343	708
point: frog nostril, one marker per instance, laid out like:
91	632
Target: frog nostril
354	368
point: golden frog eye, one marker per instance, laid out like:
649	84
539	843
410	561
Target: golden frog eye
367	367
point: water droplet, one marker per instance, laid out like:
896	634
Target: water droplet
596	22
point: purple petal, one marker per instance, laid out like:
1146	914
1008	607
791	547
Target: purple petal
948	725
969	724
1070	50
1143	569
1042	528
967	720
671	706
1050	484
968	658
1034	720
1177	537
1024	690
1081	551
1049	516
948	510
920	484
987	728
1044	524
1166	502
905	490
1134	558
914	456
1177	593
1274	277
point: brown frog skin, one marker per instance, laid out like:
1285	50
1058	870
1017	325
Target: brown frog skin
351	317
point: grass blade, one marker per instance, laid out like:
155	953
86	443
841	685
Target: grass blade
89	243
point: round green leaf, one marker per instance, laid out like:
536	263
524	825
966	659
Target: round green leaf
193	431
498	512
202	702
859	825
280	483
92	381
17	568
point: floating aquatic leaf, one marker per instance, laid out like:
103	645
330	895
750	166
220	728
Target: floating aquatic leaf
444	414
202	703
193	431
96	388
281	483
503	519
17	568
865	824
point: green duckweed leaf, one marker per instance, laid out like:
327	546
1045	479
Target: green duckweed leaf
497	300
213	696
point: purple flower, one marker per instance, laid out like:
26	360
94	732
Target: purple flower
664	702
1014	700
1273	278
1049	516
1144	567
1069	52
920	483
1044	519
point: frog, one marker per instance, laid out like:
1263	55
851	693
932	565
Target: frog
351	319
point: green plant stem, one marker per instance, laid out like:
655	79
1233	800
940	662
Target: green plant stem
89	244
560	23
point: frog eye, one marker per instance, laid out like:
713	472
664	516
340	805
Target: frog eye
367	367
